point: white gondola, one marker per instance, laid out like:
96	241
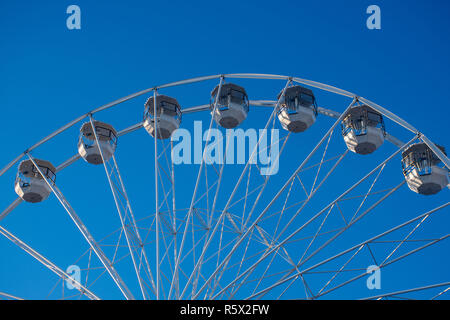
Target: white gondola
30	185
298	110
421	170
363	129
87	144
232	105
168	114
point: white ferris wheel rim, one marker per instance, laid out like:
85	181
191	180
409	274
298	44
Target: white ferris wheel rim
260	103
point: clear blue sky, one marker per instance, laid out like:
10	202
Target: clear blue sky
50	75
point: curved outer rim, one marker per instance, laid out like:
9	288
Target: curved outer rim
310	83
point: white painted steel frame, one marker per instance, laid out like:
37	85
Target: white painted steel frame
260	103
47	263
86	234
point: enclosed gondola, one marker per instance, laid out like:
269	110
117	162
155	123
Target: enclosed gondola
297	109
30	185
363	129
168	116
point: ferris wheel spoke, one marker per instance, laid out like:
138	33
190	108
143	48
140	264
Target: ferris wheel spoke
266	181
219	252
47	263
245	198
174	220
86	234
269	241
276	253
155	123
166	257
237	230
281	213
347	224
440	293
167	245
325	87
308	291
226	268
311	195
342	268
262	238
404	240
219	181
290	285
303	261
395	294
264	273
165	201
171	189
86	279
210	217
438	152
373	206
367	193
247	282
321	162
247	194
316	234
256	245
19	200
195	245
54	288
10	208
163	274
237	286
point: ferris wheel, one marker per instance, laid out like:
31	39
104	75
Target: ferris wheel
257	186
